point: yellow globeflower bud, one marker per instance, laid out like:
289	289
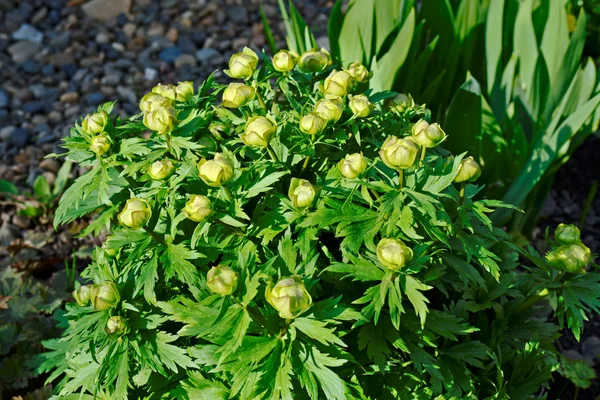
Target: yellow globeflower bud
198	208
567	234
468	170
393	253
312	124
352	165
217	171
168	91
314	60
329	109
338	83
161	169
427	135
162	120
359	72
572	257
398	153
184	90
135	214
289	297
285	60
105	296
400	103
94	124
237	95
100	144
243	64
83	295
222	280
259	131
361	106
116	327
153	102
301	192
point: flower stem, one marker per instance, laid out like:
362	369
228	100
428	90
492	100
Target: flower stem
423	150
533	300
260	100
155	236
462	193
272	153
168	140
305	165
228	193
401	179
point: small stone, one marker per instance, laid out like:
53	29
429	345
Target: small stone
23	50
69	97
19	137
102	38
6	133
127	94
206	55
591	347
150	74
61	41
155	30
129	29
112	79
21	221
28	32
7	234
94	99
33	107
172	34
39	15
50	164
105	10
4	100
119	47
31	67
237	14
170	54
54	117
185	60
49	177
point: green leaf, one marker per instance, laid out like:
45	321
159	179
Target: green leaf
8	187
62	177
41	188
361	270
525	43
334	28
463	119
170	355
318	330
264	185
413	289
147	279
267	29
493	42
175	262
198	387
472	352
357	26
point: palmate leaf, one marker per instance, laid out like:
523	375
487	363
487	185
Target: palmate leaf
318	330
579	297
175	262
413	288
199	387
447	325
313	372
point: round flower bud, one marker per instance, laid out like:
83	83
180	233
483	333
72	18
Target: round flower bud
116	327
83	295
400	103
398	153
285	60
94	124
222	280
352	165
258	131
243	64
237	95
338	83
329	109
301	192
135	214
312	124
289	297
161	169
198	208
217	171
100	144
572	257
567	234
153	102
314	60
427	135
105	296
361	106
168	91
393	253
162	120
359	72
184	90
468	170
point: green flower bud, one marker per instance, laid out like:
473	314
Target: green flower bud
100	144
301	192
312	124
400	103
393	253
167	91
217	171
398	153
94	124
359	72
329	109
338	83
83	295
135	214
161	169
222	280
314	60
352	165
289	297
258	131
198	208
116	327
184	90
360	105
237	95
427	135
572	257
468	170
105	296
567	234
243	64
285	60
162	120
153	102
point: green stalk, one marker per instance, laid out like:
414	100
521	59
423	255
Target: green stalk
461	200
260	100
533	300
272	153
401	179
305	165
155	236
423	150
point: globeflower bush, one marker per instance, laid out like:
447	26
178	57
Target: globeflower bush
292	235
